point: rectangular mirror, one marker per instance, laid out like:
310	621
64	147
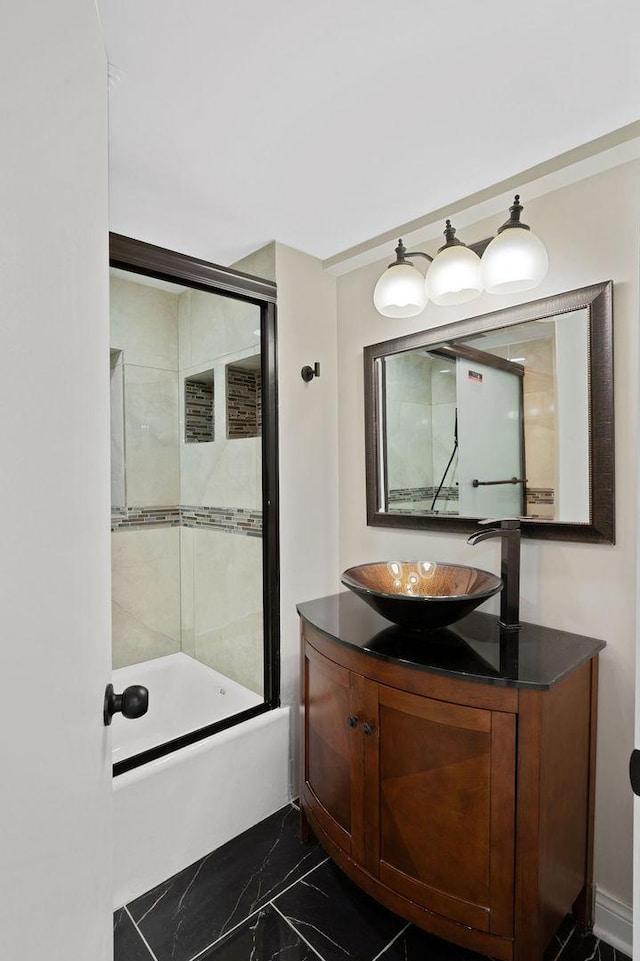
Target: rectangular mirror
509	414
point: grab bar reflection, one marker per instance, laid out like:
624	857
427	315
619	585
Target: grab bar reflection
512	480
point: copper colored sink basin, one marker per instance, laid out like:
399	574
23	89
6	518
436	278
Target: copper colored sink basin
421	594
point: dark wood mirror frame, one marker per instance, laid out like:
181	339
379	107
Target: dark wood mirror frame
139	257
600	528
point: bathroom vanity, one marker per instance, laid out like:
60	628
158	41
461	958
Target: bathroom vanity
450	773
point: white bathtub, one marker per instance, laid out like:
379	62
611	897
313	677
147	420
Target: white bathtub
184	695
170	812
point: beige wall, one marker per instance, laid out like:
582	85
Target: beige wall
308	424
591	232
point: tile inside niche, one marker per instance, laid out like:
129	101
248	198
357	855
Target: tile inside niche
199	416
244	398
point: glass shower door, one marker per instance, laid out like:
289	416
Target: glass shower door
188	546
491	451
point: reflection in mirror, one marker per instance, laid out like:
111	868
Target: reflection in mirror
495	417
491	425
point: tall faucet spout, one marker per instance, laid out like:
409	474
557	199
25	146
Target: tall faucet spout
484	535
509	533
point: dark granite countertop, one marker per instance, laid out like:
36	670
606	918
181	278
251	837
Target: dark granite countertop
474	649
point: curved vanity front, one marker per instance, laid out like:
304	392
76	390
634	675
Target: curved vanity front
450	773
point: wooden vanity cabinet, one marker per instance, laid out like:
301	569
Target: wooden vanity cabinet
464	807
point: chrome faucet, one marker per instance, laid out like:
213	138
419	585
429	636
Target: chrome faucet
509	532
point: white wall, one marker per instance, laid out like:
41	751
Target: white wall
591	232
55	799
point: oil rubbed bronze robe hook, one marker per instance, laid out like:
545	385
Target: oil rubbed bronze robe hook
308	373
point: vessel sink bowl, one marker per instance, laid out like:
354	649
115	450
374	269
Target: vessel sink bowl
421	594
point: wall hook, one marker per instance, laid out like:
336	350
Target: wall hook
308	373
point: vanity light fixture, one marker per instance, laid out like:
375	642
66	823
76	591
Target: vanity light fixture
401	291
513	261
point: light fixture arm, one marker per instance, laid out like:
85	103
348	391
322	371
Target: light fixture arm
402	254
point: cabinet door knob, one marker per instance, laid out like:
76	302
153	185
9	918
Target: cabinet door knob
352	720
367	727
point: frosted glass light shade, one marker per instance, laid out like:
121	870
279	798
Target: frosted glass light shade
400	292
514	260
454	276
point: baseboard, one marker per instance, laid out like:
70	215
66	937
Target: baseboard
613	922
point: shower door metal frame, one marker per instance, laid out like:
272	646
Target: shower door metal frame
139	257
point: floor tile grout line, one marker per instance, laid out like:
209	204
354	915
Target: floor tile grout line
392	941
257	911
144	940
293	921
298	933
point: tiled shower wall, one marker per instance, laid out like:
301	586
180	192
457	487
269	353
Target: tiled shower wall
421	409
143	329
187	549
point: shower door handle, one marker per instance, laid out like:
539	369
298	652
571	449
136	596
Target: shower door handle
133	702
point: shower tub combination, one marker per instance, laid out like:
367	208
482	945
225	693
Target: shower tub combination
194	485
171	811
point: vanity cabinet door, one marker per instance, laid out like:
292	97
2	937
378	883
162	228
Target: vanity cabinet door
330	746
447	802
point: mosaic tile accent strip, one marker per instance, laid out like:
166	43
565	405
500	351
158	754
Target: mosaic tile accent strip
128	518
259	402
244	402
234	520
422	493
198	412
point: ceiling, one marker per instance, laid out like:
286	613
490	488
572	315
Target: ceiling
321	124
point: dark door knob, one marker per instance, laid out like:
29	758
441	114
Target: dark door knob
352	720
367	727
133	702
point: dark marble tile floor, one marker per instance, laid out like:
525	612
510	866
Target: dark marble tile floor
266	896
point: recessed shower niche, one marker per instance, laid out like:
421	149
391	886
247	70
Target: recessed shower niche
199	411
189	458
